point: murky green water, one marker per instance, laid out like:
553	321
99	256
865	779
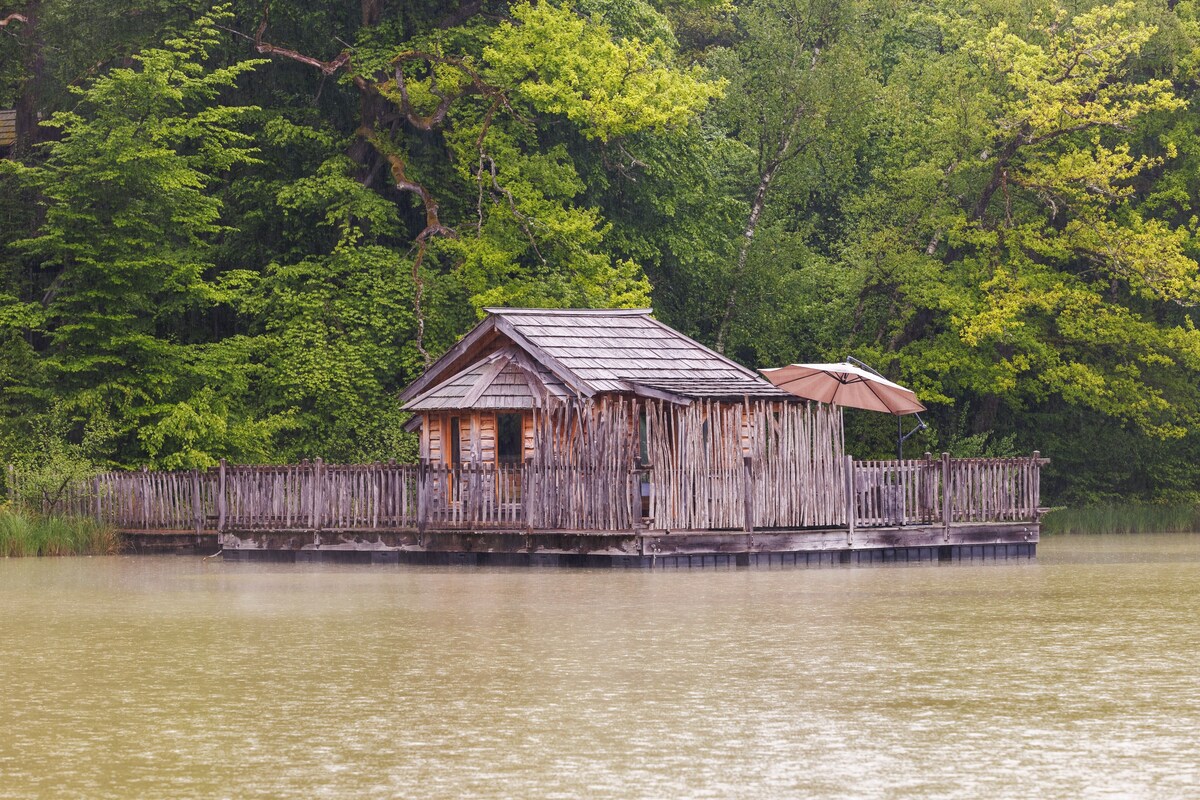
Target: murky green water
1075	676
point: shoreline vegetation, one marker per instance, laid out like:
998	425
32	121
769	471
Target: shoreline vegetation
1123	518
25	535
200	261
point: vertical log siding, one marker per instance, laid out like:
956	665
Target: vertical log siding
698	453
710	465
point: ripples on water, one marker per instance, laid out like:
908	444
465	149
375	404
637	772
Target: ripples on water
1075	676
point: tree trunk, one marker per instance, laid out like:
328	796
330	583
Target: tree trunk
783	152
987	409
372	10
739	269
28	133
756	209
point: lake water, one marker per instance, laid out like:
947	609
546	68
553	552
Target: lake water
1077	675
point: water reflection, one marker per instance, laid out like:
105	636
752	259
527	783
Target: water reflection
171	677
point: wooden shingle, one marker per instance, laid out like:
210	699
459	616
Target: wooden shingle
581	351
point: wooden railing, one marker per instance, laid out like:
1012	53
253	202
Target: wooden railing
472	496
947	490
319	496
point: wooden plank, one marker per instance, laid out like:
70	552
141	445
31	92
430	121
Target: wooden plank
748	494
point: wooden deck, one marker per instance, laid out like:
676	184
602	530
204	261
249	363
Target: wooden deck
921	510
775	549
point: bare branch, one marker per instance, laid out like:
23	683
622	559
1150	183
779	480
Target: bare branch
624	170
13	18
523	220
266	48
418	296
433	224
476	85
425	123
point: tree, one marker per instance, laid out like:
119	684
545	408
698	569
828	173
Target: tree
1006	256
130	222
798	88
483	127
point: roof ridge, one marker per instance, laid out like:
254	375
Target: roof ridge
573	312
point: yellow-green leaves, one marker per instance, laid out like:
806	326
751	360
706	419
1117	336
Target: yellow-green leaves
1021	173
1061	88
565	65
1148	255
1068	73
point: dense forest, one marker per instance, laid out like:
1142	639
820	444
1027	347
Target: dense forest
238	231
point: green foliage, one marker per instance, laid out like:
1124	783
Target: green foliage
606	88
125	243
48	461
995	203
1005	256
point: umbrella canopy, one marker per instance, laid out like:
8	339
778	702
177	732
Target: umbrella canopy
844	385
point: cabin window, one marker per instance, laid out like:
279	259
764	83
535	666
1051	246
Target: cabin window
510	438
455	444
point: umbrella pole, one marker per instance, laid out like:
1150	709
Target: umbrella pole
901	435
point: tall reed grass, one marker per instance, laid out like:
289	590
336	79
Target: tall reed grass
1123	519
24	534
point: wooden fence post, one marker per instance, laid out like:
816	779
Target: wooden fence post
472	504
926	484
851	501
96	503
221	497
376	475
748	493
318	495
422	496
197	506
947	497
145	497
1036	479
528	500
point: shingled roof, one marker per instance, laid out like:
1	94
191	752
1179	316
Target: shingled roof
584	352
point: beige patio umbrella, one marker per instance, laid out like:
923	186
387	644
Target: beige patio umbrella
844	384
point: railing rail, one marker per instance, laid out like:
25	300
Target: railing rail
946	490
386	495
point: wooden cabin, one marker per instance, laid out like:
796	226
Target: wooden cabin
8	129
594	438
615	421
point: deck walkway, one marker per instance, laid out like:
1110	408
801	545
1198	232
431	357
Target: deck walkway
646	548
920	510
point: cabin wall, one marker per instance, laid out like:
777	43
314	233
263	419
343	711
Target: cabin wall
476	436
702	459
796	466
697	474
595	433
434	450
486	423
